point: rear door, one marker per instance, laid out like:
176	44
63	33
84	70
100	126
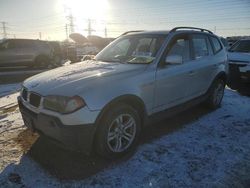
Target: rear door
202	65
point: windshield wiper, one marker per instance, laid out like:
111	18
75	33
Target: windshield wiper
110	60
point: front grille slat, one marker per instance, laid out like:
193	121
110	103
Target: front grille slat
32	98
35	99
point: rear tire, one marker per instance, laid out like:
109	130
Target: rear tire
216	94
42	62
118	131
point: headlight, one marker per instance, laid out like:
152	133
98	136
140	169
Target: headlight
63	104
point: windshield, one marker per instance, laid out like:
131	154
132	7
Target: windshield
241	46
139	49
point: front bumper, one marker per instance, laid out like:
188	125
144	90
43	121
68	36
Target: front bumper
239	76
73	137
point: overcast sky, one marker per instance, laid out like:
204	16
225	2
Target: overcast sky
26	18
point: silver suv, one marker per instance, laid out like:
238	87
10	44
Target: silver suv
105	103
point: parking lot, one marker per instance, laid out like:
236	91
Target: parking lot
124	94
200	148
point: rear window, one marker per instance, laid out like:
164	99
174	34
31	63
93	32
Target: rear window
216	44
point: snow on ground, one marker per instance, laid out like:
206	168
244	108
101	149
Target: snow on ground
207	149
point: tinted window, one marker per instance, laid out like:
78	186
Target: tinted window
25	44
180	47
216	44
200	46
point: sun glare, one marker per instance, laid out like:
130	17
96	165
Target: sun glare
88	9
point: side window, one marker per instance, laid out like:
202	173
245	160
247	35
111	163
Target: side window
180	47
26	44
216	44
200	46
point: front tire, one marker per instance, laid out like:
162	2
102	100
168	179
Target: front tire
118	131
216	94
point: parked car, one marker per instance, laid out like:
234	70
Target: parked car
25	52
103	104
239	66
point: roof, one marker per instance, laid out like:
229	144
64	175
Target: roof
160	32
165	32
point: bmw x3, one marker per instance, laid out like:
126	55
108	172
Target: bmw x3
103	104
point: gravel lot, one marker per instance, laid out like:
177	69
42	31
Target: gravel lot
197	148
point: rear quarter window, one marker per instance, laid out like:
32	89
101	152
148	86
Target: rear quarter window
216	44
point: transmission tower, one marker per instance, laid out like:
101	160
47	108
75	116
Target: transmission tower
71	23
4	29
90	29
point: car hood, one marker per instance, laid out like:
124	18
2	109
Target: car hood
72	79
239	57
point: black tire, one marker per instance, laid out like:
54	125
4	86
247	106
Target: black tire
42	61
216	93
108	124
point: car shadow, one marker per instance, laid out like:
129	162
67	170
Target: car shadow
69	165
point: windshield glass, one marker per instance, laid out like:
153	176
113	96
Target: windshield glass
139	49
241	46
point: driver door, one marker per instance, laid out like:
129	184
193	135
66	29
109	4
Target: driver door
173	80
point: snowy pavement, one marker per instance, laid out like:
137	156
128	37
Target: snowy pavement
197	148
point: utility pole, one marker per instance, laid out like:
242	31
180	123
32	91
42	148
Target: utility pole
66	31
106	32
4	29
40	35
89	28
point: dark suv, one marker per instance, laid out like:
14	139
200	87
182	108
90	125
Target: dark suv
25	52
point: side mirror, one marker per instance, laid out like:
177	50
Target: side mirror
173	59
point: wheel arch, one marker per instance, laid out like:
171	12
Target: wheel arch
132	100
221	75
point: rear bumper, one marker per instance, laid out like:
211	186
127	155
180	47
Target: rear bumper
73	137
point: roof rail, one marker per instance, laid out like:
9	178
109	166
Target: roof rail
192	28
127	32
